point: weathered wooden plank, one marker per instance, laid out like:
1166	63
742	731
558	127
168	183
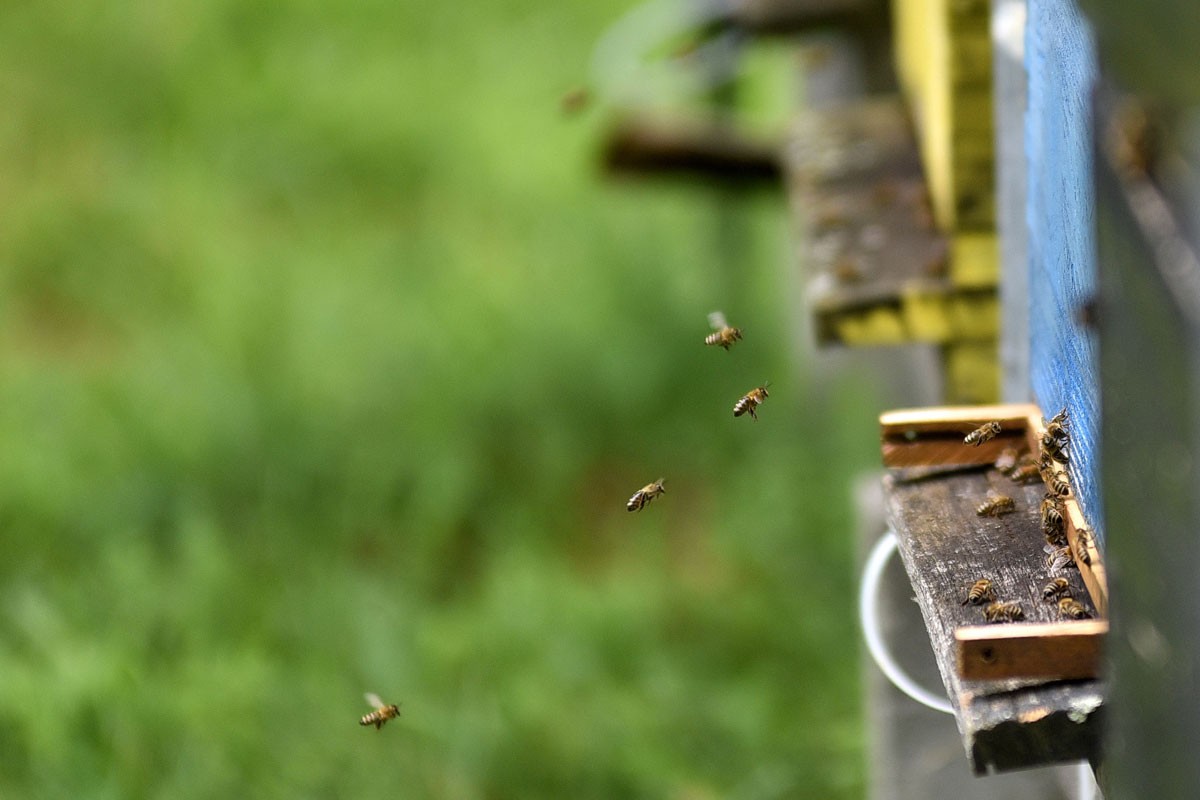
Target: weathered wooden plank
1059	651
932	438
1011	723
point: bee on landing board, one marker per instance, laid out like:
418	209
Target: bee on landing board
1055	589
725	335
381	714
1025	471
1083	540
644	495
1053	524
995	505
750	401
984	433
1070	607
981	591
1003	612
1058	557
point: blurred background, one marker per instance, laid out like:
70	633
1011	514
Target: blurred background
329	360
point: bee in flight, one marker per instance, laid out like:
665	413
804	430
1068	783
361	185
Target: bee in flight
381	714
725	335
995	505
644	495
750	401
981	591
984	433
1070	607
1058	557
1003	612
1059	587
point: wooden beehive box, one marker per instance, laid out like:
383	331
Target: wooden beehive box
1025	693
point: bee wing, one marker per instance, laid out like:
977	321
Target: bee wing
373	700
717	320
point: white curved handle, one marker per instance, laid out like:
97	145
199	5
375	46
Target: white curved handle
867	613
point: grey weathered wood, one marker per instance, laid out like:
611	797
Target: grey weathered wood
1149	330
945	546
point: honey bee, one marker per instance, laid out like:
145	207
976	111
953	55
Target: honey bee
1070	607
984	433
995	505
1008	460
1059	587
750	401
981	591
1083	540
1061	419
381	714
1052	516
1003	612
1058	557
1060	484
725	335
645	494
1025	472
1054	448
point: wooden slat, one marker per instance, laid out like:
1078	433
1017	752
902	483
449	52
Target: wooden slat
1058	651
1006	724
934	436
931	438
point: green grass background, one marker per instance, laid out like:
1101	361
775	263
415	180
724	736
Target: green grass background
327	364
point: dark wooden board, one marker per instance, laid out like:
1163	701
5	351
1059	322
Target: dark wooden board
946	546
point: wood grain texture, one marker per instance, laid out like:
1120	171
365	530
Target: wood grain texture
1006	724
1063	650
1060	58
931	440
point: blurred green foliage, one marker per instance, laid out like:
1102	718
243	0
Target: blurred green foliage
328	366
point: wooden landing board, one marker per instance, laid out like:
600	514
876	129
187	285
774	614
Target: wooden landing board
932	439
1054	651
1011	723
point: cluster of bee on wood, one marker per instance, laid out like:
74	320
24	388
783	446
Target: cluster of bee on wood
1050	468
724	336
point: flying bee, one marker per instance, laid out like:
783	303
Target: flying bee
750	401
1003	612
381	714
981	591
1025	472
995	505
1070	607
725	335
984	433
1083	540
1008	459
644	495
1058	557
1059	587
